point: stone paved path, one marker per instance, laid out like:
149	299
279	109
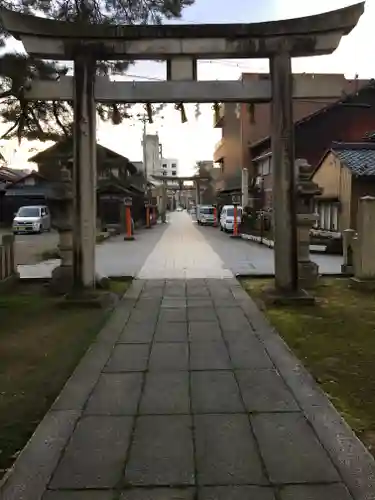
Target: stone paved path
188	394
183	252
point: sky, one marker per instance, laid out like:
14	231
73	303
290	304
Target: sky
196	139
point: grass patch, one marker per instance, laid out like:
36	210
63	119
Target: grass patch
40	345
336	341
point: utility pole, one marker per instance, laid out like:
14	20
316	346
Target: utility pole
144	151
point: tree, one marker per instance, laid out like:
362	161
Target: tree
204	169
49	120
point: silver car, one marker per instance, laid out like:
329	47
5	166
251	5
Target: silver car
32	219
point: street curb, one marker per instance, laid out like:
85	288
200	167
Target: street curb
270	244
272	275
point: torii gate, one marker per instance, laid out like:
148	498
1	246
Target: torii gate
182	46
196	179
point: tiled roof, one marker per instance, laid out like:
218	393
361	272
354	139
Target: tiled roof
358	157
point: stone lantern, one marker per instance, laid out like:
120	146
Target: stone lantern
306	189
62	203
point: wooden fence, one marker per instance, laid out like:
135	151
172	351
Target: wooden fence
7	266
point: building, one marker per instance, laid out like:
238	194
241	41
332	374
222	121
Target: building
346	120
345	174
169	167
117	178
151	155
244	125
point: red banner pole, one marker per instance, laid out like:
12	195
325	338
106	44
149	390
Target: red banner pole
235	228
128	222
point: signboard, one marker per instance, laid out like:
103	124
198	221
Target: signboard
128	201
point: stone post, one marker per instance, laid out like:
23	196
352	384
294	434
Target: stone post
348	250
283	190
62	276
365	259
84	173
308	271
245	187
164	203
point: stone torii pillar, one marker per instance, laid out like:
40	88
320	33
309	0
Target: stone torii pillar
283	175
84	173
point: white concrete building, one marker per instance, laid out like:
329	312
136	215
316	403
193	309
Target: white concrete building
169	167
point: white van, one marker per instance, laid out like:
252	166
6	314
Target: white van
205	215
227	217
32	219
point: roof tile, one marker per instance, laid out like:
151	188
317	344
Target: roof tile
358	157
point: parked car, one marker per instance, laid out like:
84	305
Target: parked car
227	218
205	215
179	209
193	212
32	219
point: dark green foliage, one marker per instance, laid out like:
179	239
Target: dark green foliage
51	120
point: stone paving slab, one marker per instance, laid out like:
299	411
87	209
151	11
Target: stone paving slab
166	393
159	494
236	493
203	331
209	356
180	417
315	492
128	358
291	451
248	353
115	394
171	332
95	456
215	392
264	391
226	451
169	357
162	452
79	495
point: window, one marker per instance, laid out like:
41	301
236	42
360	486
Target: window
174	165
174	173
29	212
164	173
164	165
328	216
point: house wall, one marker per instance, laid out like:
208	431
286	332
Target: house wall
336	182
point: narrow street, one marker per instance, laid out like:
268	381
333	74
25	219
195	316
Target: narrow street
188	394
182	249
